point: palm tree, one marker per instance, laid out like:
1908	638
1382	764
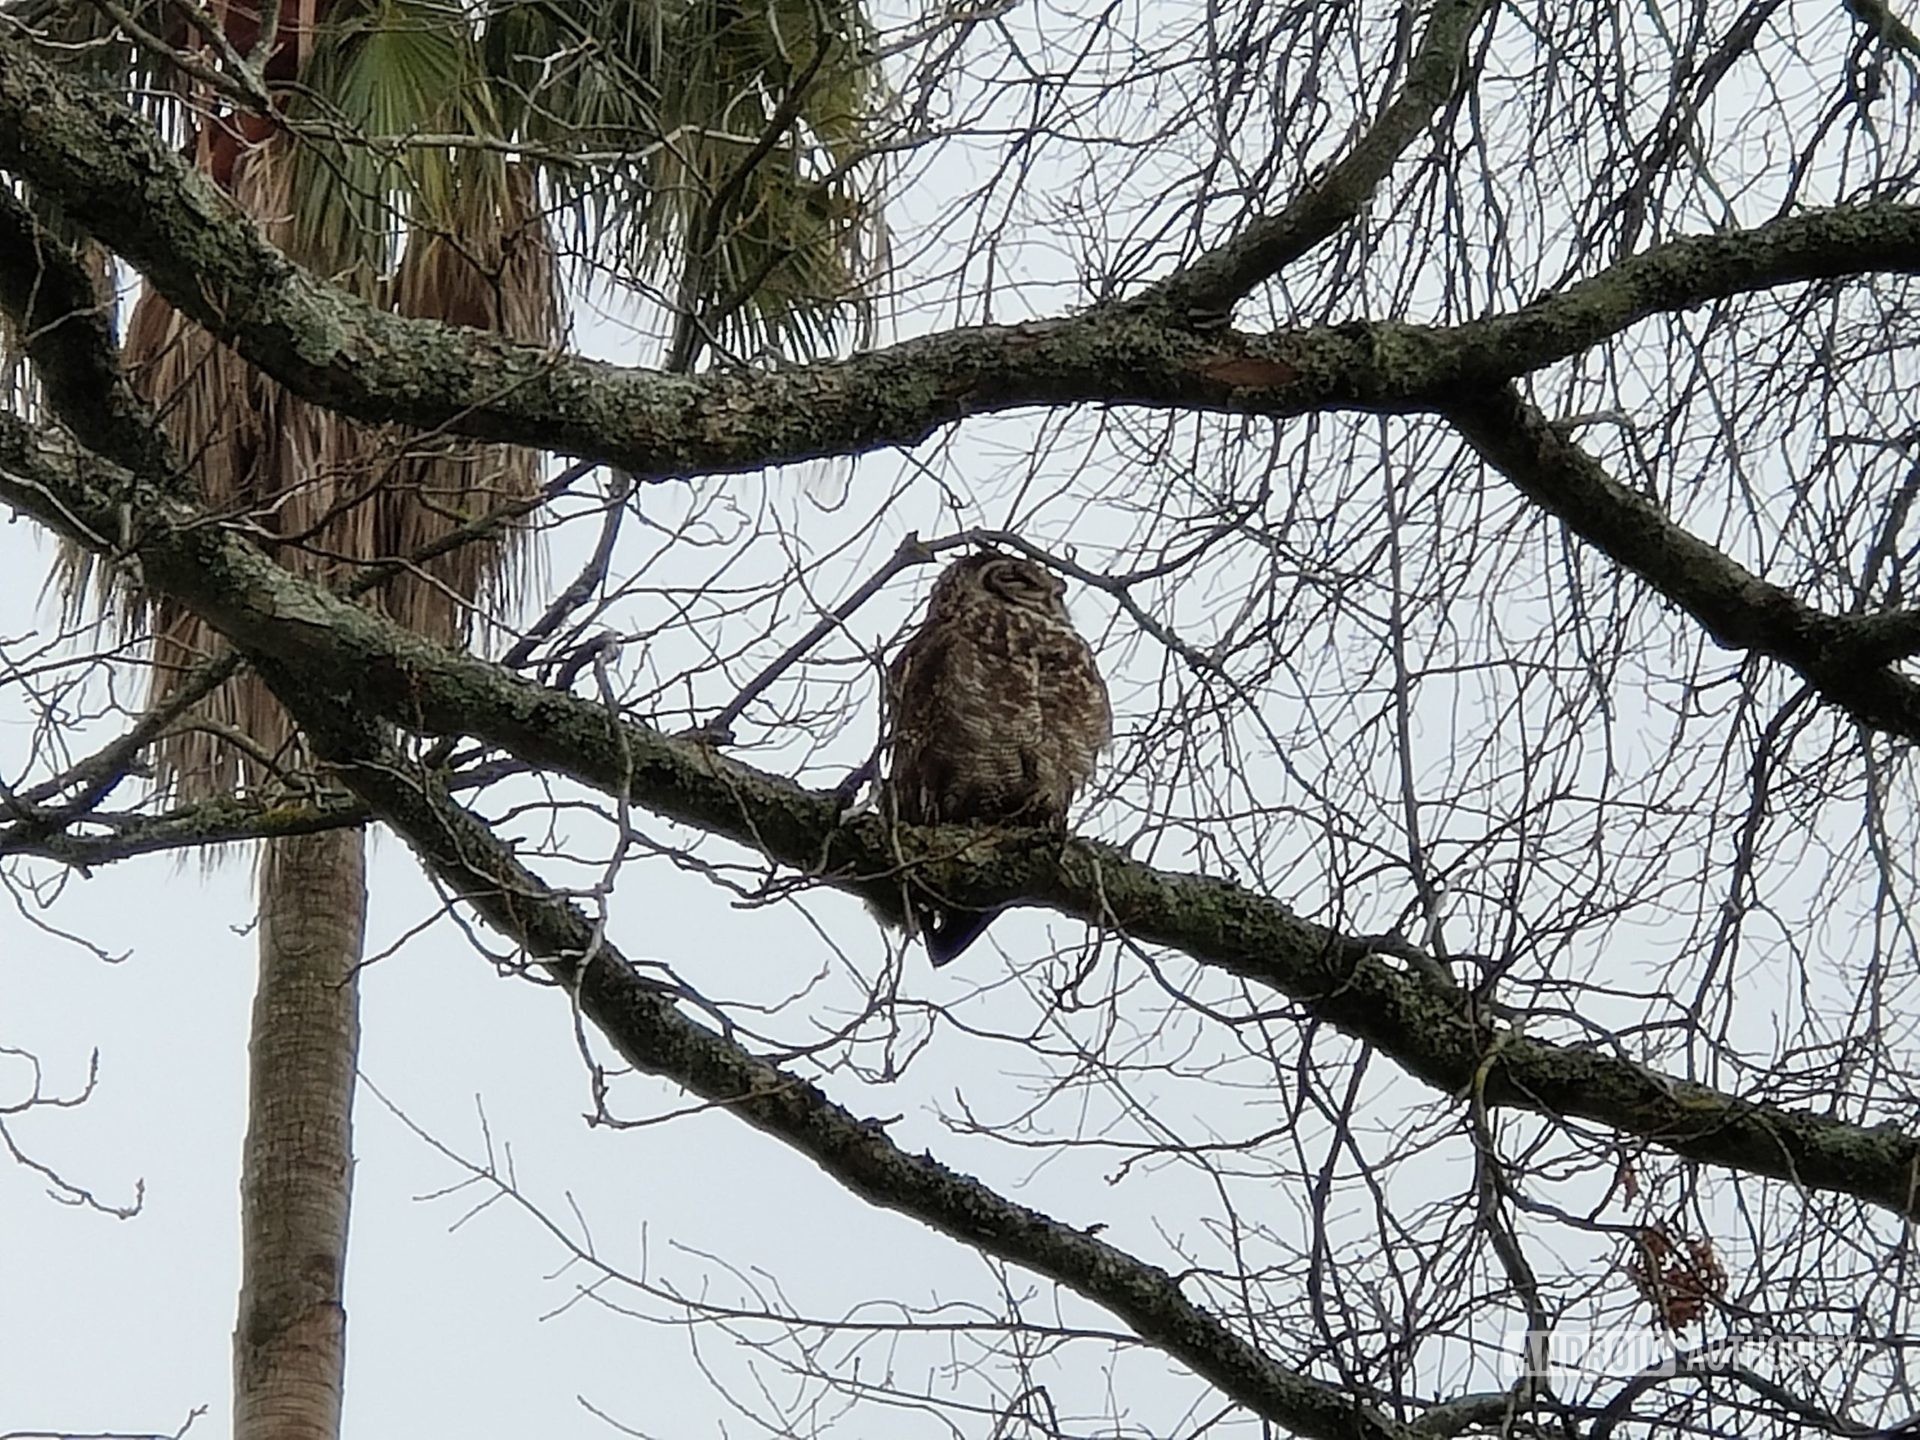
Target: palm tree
448	161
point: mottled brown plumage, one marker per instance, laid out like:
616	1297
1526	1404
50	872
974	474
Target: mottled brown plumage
996	713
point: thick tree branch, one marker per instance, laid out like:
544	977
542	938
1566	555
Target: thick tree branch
63	324
651	1033
113	176
340	650
1842	658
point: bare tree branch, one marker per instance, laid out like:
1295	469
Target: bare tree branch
113	176
651	1032
1213	282
1353	982
1843	657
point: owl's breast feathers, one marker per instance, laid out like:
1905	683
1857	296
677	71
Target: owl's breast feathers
997	716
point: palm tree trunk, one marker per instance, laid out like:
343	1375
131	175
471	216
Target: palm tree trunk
289	1344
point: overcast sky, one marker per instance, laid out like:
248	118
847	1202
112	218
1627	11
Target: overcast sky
475	1324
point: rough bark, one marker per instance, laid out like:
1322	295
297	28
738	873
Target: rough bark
116	178
324	645
651	1031
289	1344
351	674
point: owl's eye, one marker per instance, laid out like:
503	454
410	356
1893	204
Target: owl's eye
1020	583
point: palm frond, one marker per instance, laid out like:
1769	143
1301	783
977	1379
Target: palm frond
381	74
443	232
726	140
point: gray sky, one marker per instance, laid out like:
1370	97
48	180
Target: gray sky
1566	782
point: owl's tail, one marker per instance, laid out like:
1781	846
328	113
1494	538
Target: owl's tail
948	934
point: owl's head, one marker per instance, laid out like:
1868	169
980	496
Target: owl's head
1004	579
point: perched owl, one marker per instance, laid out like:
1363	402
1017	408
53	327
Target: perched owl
996	712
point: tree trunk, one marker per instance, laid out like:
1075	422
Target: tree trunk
289	1344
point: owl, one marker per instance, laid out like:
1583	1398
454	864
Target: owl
995	714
